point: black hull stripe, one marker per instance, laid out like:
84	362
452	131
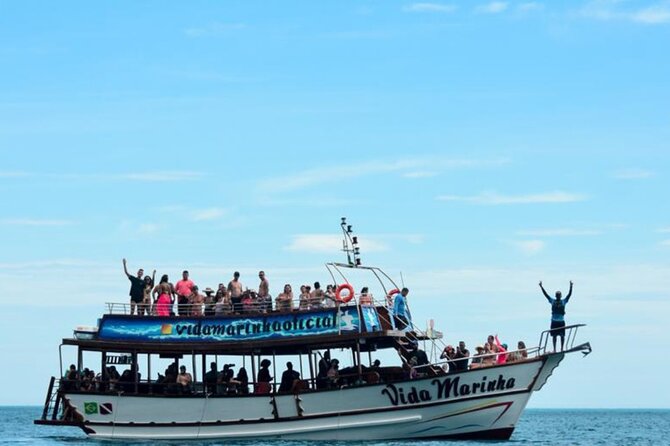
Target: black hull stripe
307	417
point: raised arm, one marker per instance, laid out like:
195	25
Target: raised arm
544	292
569	293
153	278
125	268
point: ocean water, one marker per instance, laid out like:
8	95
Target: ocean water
536	427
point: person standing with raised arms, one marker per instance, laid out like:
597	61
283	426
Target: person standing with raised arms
557	314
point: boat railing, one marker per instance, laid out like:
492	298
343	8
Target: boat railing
206	309
485	360
570	336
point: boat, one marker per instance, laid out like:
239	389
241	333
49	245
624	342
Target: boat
433	399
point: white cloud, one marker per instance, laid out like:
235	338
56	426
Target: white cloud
559	232
329	243
665	242
312	177
529	247
207	214
34	222
493	198
664	230
213	29
429	7
653	15
633	174
492	8
606	10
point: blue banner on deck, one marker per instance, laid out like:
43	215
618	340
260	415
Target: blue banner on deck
247	328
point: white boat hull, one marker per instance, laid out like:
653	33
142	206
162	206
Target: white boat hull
481	403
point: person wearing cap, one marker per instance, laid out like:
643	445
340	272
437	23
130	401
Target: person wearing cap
210	302
557	314
477	358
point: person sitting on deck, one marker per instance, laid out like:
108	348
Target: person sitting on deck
184	380
243	379
365	298
477	358
210	302
196	302
288	378
334	374
557	314
462	355
316	297
330	301
264	378
502	351
520	355
128	378
284	302
489	358
401	314
250	302
226	381
322	375
211	378
223	305
449	354
491	345
113	377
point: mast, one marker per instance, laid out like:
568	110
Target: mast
350	244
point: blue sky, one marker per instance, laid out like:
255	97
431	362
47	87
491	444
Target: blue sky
476	148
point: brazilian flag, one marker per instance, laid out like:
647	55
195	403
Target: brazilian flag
90	408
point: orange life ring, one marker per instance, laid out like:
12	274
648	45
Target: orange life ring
338	291
393	292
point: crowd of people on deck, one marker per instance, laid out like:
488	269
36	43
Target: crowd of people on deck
492	352
149	298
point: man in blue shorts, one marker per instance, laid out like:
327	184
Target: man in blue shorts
557	314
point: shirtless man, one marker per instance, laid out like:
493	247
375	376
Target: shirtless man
235	289
264	293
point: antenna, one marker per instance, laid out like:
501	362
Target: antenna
350	244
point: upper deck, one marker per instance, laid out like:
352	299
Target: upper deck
263	332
